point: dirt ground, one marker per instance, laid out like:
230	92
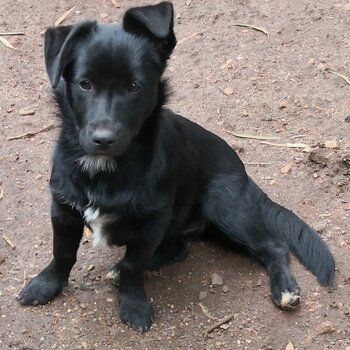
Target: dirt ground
230	79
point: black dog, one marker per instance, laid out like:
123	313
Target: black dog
144	177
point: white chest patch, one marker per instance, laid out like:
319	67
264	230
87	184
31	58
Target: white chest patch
97	222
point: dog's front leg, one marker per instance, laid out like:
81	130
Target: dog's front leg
134	307
68	228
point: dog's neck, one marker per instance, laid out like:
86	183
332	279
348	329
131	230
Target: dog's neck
149	126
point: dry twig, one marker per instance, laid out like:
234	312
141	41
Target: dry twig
115	3
228	62
258	163
290	145
63	17
11	33
345	78
8	241
218	324
7	43
297	136
252	27
253	137
207	312
32	133
187	38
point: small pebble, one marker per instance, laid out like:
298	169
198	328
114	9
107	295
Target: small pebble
321	67
228	91
334	305
286	168
202	295
224	289
326	327
216	280
282	105
27	111
331	144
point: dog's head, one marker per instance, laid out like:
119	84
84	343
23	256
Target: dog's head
111	74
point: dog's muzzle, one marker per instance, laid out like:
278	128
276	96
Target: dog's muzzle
103	138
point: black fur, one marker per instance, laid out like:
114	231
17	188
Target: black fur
144	177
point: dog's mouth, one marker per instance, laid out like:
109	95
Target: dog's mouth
103	153
94	164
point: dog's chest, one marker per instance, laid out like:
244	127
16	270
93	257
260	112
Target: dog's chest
97	221
110	217
114	211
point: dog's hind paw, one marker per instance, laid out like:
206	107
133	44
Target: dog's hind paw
289	300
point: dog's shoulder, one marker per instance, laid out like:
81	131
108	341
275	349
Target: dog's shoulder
188	130
174	123
200	145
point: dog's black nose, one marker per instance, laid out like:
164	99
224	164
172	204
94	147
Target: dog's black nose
103	137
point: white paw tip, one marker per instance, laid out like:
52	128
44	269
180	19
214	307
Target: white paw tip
112	275
289	300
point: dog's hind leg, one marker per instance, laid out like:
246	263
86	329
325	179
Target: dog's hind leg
168	252
231	207
284	289
173	247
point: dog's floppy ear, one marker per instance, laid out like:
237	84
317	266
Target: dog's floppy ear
155	22
59	44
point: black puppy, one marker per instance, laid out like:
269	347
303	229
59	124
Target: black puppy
141	176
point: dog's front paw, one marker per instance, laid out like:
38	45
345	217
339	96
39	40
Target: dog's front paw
136	312
41	289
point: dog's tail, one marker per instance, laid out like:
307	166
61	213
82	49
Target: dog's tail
303	241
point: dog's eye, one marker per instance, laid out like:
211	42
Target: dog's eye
85	85
133	87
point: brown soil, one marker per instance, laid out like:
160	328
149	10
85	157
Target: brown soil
281	86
